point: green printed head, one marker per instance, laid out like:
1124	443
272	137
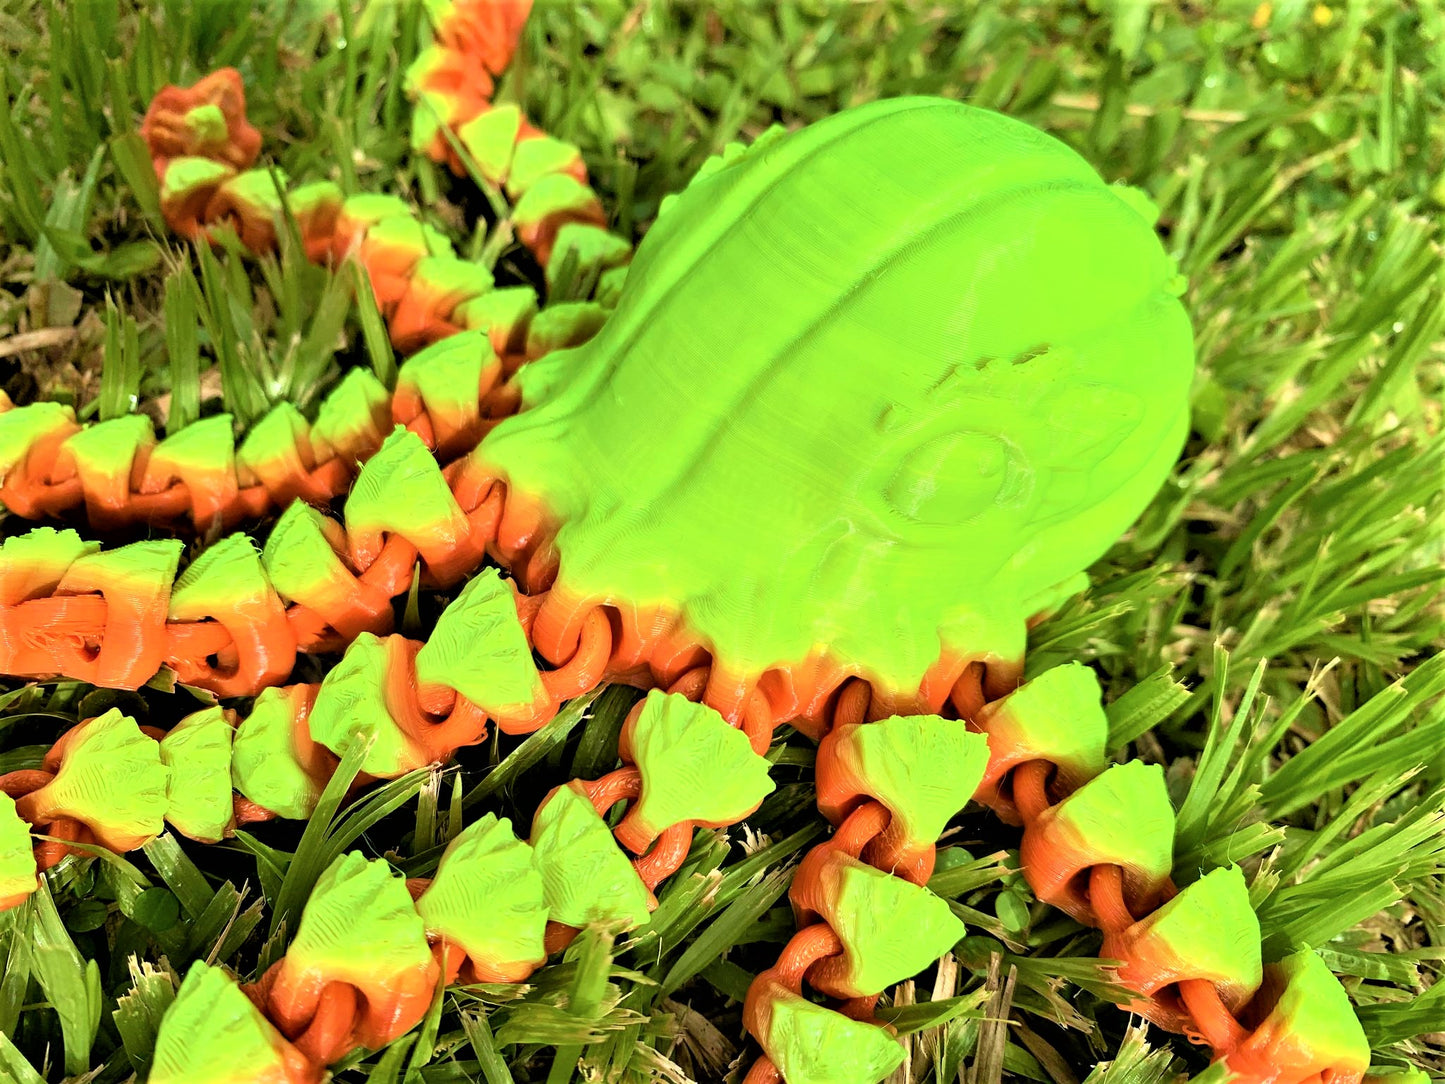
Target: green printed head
225	578
944	363
197	756
111	779
31	564
695	767
432	109
487	898
1209	931
609	286
811	1044
585	875
17	855
479	649
353	417
401	491
1123	817
264	765
359	904
922	767
213	1034
353	697
890	928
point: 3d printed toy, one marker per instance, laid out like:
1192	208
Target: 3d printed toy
872	395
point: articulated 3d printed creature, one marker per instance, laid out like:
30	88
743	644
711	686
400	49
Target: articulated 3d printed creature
872	395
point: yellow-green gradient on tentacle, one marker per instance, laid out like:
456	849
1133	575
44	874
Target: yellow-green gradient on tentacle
881	385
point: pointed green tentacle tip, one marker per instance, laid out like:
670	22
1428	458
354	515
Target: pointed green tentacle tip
1208	931
17	856
351	419
446	376
111	778
21	428
197	754
401	490
213	1034
404	238
359	925
269	448
695	767
479	649
105	452
922	767
491	139
34	562
207	445
225	576
1123	817
264	765
353	698
256	189
1314	1014
586	877
141	570
368	208
1059	714
533	159
588	248
487	899
814	1045
448	275
300	558
503	314
190	174
890	928
565	324
552	194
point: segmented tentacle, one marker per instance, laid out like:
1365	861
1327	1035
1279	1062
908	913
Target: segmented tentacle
203	149
1097	843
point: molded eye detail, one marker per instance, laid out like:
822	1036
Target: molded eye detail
954	477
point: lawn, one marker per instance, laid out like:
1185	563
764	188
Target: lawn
1268	632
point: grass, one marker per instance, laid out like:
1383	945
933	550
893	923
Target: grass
1267	631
